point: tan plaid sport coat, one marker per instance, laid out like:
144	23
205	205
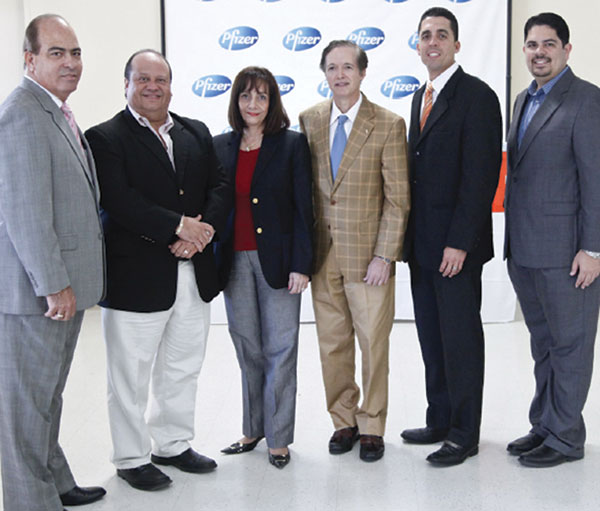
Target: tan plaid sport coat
365	211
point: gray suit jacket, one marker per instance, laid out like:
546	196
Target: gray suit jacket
552	199
50	230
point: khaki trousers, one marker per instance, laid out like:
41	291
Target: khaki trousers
343	309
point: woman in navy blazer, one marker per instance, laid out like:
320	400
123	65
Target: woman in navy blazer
265	256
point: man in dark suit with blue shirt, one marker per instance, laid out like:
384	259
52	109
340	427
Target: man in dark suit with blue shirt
455	143
552	238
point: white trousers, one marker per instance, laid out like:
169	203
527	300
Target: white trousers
166	349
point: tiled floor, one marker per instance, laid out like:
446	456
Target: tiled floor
314	480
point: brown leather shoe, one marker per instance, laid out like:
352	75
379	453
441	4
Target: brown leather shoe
371	447
343	440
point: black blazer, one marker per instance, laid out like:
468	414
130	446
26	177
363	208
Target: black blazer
281	190
143	198
454	167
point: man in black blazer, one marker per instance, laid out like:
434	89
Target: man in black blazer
163	197
455	152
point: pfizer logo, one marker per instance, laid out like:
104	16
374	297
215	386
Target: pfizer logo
413	40
367	37
286	84
399	86
211	85
459	1
301	38
395	1
324	90
238	38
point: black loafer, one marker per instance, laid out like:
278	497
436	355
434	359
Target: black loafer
524	444
424	435
187	461
371	447
145	477
239	448
343	440
451	454
79	496
279	460
543	457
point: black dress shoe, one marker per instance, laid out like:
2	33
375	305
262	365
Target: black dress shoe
239	447
544	456
451	454
279	460
79	496
145	477
424	435
371	447
187	461
524	444
343	440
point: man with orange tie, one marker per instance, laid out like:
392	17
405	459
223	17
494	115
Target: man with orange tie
455	144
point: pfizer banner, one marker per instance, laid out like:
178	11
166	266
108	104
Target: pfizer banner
209	41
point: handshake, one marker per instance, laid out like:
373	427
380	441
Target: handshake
193	234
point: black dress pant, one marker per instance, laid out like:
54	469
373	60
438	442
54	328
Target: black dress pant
448	320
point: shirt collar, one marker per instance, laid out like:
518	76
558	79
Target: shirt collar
58	101
532	90
168	124
440	81
351	114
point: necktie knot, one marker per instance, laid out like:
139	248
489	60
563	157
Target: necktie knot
342	119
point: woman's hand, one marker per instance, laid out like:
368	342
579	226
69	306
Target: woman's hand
297	283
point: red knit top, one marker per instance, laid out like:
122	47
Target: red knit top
243	235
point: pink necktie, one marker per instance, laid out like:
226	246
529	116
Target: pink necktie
71	120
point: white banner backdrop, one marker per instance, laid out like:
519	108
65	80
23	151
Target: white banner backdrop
209	41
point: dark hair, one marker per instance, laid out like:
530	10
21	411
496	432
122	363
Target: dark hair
129	63
361	56
253	77
31	42
553	21
444	13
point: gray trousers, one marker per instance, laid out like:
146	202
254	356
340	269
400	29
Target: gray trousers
562	321
35	358
264	323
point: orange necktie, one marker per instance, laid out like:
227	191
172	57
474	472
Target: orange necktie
427	104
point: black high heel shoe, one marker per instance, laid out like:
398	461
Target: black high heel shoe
279	460
239	448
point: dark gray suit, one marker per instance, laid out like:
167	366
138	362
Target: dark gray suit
50	238
553	211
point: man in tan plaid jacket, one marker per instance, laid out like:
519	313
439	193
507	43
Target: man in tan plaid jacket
361	202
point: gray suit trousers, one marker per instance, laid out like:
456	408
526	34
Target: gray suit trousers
562	321
264	324
35	358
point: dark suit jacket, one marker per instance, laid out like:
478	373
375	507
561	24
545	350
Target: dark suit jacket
142	201
454	167
281	191
553	186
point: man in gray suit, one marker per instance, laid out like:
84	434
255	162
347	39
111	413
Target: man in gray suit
553	238
51	266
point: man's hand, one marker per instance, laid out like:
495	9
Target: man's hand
586	268
61	305
378	272
297	283
452	261
183	249
196	232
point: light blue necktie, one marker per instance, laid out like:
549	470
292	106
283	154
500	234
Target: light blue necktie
338	146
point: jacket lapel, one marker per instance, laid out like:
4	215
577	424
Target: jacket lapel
513	132
545	112
362	128
180	152
149	139
267	149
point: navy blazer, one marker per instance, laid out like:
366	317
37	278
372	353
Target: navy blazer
454	167
142	201
281	191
